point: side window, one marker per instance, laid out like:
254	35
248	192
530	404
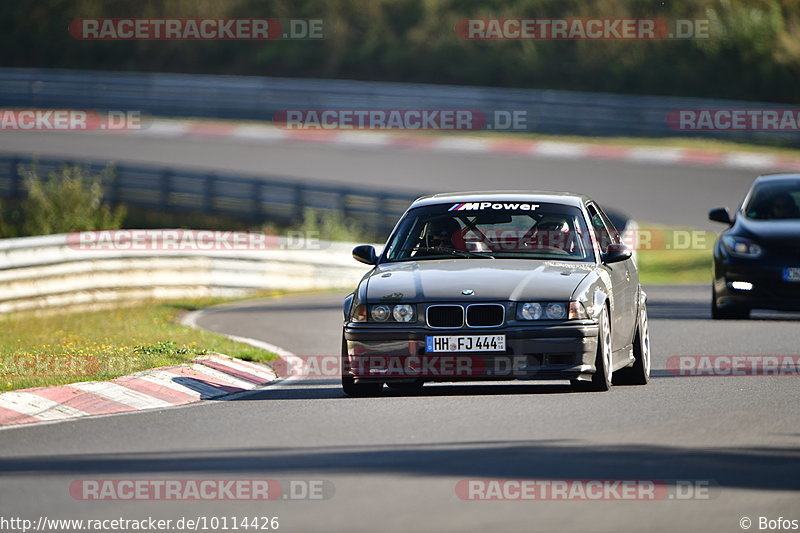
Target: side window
603	229
615	237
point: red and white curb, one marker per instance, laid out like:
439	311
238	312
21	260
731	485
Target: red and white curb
204	378
264	133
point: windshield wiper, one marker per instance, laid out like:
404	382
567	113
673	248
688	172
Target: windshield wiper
450	251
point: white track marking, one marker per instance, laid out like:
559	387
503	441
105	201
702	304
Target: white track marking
121	394
38	407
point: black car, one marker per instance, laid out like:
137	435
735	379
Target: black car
494	286
757	259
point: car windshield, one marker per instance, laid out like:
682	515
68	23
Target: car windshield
774	201
487	230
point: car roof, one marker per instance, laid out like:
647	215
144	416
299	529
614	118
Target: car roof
566	198
783	176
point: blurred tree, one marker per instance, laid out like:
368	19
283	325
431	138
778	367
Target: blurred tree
753	51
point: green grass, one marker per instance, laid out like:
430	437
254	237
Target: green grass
58	349
673	258
665	267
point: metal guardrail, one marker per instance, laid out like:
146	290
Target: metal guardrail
253	198
51	271
249	97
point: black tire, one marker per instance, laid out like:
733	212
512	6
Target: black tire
727	313
639	373
406	386
349	385
360	390
602	377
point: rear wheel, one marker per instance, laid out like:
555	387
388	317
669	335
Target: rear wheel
351	388
727	313
406	386
602	377
349	385
639	373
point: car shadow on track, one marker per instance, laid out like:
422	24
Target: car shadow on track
760	468
694	310
678	310
331	390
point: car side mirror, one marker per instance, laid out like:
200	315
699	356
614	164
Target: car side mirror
720	214
365	254
616	253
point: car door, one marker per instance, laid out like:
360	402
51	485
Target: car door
631	292
623	280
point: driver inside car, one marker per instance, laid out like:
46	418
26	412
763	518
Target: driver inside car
551	232
440	232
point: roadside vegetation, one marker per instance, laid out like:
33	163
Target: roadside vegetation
327	226
670	267
56	349
67	199
675	255
752	52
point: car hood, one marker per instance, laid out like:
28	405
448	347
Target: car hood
489	279
770	232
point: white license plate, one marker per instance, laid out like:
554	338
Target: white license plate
791	274
465	343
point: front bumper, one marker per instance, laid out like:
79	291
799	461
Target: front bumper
769	290
536	352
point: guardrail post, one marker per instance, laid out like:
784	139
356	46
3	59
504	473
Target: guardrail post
343	203
114	186
383	213
299	202
209	184
165	189
13	174
255	206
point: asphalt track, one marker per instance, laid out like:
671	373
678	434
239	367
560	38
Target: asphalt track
394	461
659	193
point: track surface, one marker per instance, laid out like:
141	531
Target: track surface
666	194
395	460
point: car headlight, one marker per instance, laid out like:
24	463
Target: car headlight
380	313
384	313
741	247
403	313
555	311
551	311
530	311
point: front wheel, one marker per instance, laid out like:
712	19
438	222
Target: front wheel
727	313
349	385
602	377
639	373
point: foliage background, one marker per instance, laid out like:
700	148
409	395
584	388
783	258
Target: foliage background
753	52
